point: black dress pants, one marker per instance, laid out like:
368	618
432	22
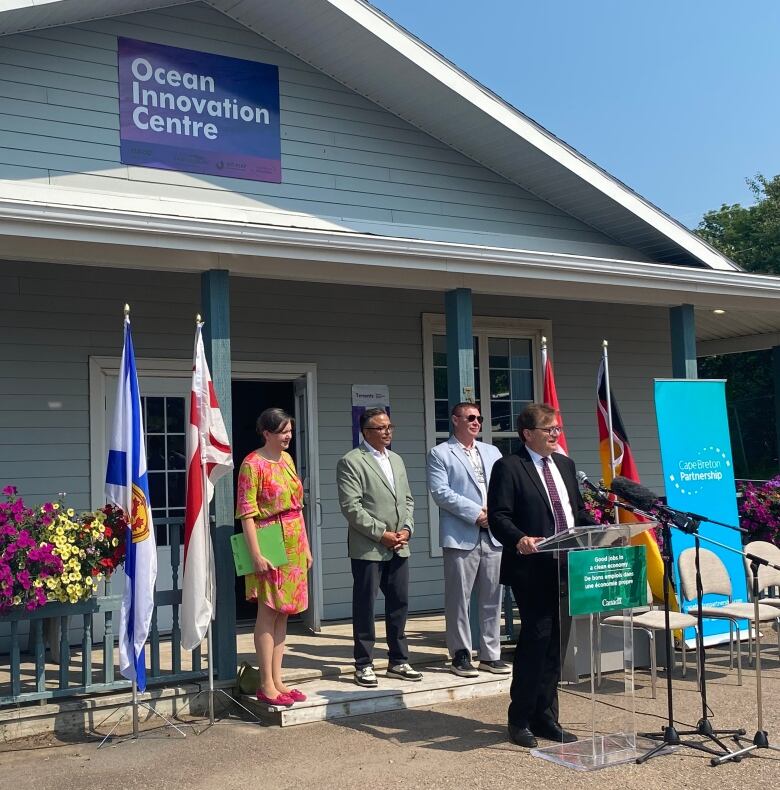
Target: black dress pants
536	669
392	578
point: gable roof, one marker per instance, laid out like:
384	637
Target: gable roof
357	45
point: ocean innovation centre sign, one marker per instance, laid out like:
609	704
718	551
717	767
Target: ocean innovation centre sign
197	112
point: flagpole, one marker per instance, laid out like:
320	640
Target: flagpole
605	358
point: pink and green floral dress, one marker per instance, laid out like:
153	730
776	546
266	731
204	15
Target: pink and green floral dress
269	491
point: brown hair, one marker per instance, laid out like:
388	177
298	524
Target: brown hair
532	416
272	420
464	404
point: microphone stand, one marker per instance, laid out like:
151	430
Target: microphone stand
669	735
690	525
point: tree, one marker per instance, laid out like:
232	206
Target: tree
750	235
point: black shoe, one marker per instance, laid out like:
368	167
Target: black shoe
553	732
497	667
522	736
461	665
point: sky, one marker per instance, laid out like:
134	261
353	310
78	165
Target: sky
676	98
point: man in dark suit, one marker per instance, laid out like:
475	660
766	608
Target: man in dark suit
533	494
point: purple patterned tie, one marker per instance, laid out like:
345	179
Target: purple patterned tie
555	500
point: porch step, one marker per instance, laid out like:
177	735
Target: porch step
336	698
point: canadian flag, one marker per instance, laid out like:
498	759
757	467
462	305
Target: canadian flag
208	458
550	396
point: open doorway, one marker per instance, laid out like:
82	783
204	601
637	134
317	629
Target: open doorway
293	394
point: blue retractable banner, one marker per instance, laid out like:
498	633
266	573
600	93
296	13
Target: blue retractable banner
699	476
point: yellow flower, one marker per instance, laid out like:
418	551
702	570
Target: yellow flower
102	527
71	512
82	553
17	600
56	506
114	542
51	583
37	583
60	531
95	534
88	581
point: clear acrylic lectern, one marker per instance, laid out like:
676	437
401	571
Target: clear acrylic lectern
602	716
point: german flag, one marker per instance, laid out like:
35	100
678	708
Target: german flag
625	466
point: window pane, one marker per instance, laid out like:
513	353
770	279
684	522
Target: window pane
517	407
498	350
440	383
442	416
157	490
155	452
176	453
522	385
500	417
175	489
174	411
154	415
499	384
506	444
520	353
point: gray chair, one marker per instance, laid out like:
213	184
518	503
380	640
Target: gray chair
651	620
768	578
715	580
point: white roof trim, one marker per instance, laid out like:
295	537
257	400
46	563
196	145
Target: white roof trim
411	262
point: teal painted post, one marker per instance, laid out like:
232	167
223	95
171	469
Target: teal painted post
460	383
776	383
683	326
460	346
215	297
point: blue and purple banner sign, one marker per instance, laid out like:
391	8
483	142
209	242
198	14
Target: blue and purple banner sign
198	113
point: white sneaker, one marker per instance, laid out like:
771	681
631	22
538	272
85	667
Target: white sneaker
365	676
404	671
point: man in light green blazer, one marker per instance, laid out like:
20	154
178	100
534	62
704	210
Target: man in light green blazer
375	498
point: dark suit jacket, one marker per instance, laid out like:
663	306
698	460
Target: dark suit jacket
518	506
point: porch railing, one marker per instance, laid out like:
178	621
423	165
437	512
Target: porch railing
93	666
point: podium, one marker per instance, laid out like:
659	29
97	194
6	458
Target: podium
600	572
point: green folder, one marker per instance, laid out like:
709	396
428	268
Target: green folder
270	538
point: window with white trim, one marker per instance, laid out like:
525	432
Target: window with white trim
506	379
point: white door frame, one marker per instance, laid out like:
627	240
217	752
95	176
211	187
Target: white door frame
102	367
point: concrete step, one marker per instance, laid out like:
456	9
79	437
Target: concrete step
336	698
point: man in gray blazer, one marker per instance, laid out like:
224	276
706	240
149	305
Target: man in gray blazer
375	498
458	477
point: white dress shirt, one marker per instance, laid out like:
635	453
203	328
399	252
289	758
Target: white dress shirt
383	459
563	494
475	459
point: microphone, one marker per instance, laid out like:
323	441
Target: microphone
635	493
583	480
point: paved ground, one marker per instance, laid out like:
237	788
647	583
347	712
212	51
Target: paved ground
453	745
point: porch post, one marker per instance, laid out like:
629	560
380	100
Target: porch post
683	326
460	384
460	346
776	388
215	298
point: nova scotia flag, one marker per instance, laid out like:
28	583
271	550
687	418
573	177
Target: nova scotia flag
127	487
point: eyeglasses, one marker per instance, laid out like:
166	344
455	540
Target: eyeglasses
381	428
475	418
553	430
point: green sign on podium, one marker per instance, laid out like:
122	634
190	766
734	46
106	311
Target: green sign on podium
604	580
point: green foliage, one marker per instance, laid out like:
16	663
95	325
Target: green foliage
750	235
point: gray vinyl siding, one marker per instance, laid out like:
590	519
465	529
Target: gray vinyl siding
346	161
52	318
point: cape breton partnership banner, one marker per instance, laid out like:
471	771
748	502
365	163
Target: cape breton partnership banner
198	113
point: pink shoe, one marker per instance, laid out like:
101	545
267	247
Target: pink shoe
296	696
282	701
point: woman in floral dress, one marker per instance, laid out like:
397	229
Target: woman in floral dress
269	491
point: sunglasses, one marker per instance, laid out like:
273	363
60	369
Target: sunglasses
475	418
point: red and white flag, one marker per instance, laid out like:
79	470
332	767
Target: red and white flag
208	458
550	396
